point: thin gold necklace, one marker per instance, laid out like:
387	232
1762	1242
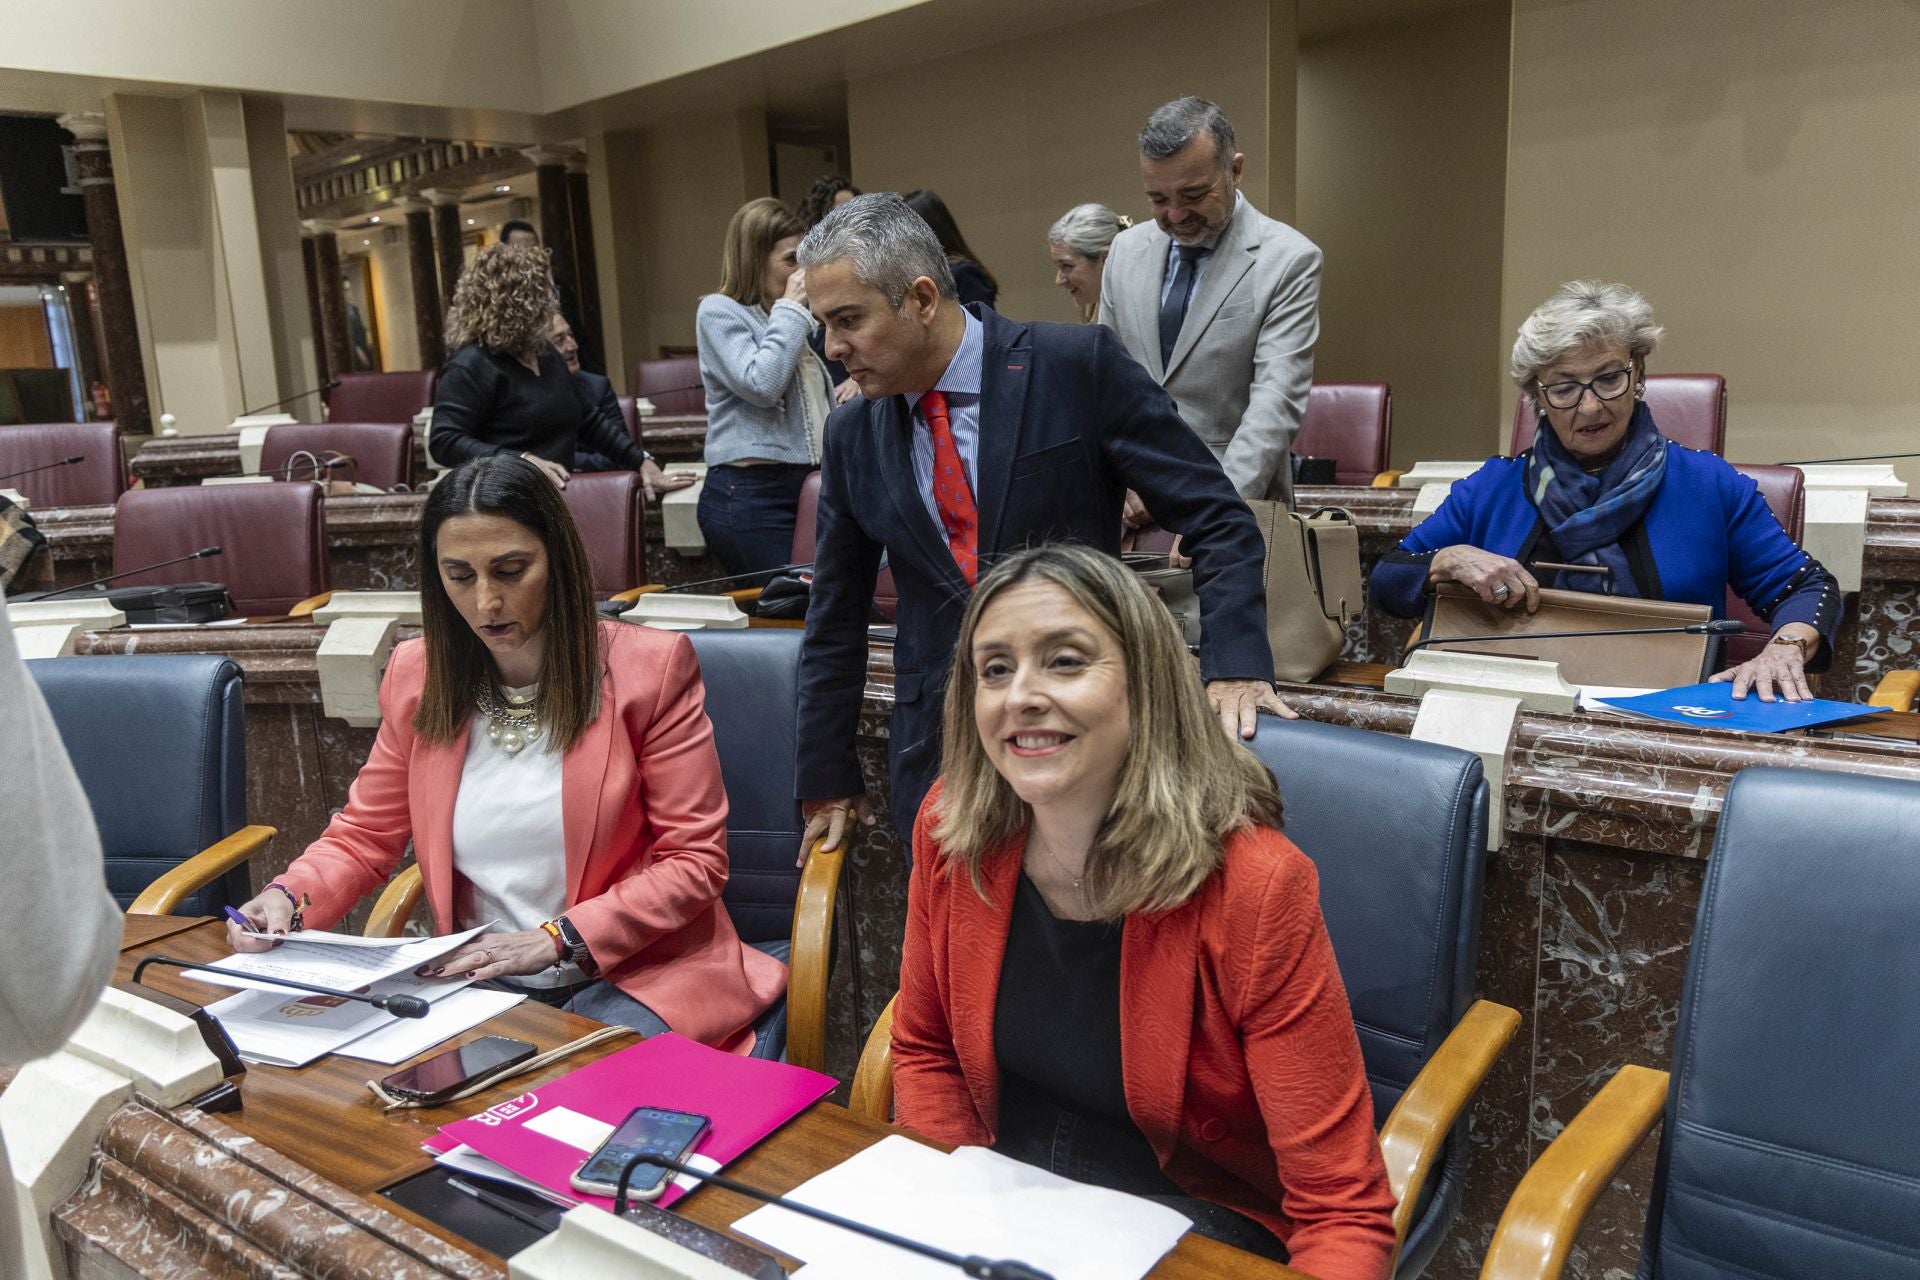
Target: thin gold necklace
1078	882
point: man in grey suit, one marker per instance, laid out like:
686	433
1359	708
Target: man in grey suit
1217	300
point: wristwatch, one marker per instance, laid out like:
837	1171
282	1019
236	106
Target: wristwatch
1805	647
577	951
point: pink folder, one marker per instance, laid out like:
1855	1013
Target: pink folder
745	1098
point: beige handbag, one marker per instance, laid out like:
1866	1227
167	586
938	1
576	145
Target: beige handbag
1313	585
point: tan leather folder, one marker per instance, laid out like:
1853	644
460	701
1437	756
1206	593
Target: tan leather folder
1644	662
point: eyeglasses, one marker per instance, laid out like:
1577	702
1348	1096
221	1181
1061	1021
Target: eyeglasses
1606	386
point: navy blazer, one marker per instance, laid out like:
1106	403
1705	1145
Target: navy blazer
1068	423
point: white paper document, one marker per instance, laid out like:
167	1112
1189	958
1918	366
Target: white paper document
970	1202
451	1013
292	1028
337	960
1590	695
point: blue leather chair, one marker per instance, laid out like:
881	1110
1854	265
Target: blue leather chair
159	745
1398	832
1791	1115
753	681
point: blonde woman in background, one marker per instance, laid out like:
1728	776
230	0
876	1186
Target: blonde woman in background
1078	245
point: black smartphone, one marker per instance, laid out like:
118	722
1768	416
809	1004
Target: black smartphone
447	1073
651	1131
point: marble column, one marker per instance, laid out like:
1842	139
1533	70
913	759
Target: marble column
586	273
126	371
449	242
421	268
556	223
309	262
333	299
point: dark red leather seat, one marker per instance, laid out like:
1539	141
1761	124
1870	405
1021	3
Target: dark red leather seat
631	416
1351	423
381	397
96	482
1689	408
885	598
273	541
673	385
382	452
610	508
1785	489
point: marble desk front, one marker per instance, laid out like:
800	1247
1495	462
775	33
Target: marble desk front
1879	633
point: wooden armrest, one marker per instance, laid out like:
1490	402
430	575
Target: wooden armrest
1416	1132
634	593
1544	1214
873	1078
1896	689
1388	479
396	904
744	595
306	607
811	959
202	869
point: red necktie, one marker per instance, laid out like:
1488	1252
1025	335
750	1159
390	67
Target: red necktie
952	495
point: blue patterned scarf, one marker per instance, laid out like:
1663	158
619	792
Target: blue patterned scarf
1587	515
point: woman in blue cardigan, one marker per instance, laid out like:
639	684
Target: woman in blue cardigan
1601	487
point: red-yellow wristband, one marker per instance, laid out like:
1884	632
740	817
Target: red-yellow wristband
559	943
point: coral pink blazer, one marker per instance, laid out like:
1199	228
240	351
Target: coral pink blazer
1237	1046
644	812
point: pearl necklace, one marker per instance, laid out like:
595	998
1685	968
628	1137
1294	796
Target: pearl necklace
512	719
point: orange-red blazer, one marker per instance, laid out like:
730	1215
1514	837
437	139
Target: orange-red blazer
645	816
1237	1046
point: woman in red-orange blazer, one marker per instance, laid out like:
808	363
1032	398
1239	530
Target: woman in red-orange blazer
1236	1046
641	808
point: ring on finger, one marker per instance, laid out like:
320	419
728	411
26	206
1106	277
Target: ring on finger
1502	591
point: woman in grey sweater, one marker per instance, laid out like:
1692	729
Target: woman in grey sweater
768	395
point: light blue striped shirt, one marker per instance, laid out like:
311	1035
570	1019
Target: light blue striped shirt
961	383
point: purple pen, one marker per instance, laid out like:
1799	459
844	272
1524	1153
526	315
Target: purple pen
237	918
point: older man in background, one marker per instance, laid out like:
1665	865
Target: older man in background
1217	300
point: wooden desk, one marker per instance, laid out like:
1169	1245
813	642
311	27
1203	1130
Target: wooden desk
323	1117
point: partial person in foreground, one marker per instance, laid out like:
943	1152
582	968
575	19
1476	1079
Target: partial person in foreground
59	927
1220	302
556	777
974	437
599	393
768	395
1115	966
1078	245
505	389
1603	489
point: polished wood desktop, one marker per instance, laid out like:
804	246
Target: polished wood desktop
323	1116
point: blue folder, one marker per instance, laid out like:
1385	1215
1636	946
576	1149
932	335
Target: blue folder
1712	706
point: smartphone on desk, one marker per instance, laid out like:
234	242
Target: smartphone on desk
647	1131
445	1074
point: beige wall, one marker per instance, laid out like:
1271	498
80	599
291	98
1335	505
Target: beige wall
1015	134
661	199
1403	135
1749	165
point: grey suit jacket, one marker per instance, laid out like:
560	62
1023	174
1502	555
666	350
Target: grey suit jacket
1242	365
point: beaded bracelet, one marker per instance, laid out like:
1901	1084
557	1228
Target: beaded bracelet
300	905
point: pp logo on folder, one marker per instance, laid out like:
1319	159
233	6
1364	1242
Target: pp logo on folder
1704	713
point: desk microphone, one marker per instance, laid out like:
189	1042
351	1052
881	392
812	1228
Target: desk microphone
322	389
980	1268
318	464
742	577
27	471
202	554
1864	457
1715	627
400	1006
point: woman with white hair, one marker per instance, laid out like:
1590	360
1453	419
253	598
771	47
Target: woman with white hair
1078	244
1603	490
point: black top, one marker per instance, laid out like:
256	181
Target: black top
970	282
488	402
1056	1034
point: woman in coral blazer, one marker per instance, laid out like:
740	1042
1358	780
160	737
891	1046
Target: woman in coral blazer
1115	967
557	777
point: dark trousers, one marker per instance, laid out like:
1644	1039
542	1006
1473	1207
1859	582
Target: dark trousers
747	515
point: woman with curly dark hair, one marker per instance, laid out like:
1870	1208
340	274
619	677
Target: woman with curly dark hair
824	196
505	389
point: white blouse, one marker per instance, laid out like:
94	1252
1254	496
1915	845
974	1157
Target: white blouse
509	842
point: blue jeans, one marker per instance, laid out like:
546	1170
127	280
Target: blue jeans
747	515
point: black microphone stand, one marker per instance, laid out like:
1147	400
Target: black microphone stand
322	389
202	554
45	466
1864	457
980	1268
400	1005
1716	627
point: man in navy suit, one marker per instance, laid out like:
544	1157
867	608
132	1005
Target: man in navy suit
975	436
